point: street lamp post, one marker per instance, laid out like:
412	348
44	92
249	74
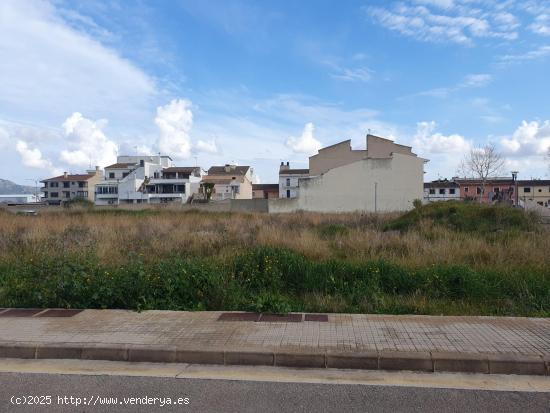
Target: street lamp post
515	178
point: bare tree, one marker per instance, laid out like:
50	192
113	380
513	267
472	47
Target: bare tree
482	163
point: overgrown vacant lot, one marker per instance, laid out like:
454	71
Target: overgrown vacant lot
447	258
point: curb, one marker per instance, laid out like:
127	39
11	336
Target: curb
364	360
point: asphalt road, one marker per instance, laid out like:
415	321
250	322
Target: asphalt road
247	396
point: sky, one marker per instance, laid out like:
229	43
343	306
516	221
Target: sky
255	83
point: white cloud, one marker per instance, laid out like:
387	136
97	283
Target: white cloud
352	75
207	147
444	4
529	139
541	25
54	69
477	80
91	146
32	157
175	121
3	137
445	21
538	53
306	143
427	141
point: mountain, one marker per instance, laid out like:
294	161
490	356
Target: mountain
9	187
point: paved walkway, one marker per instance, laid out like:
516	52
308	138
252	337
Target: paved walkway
480	338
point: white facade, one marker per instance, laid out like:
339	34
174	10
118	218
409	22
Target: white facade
442	190
371	184
289	180
146	179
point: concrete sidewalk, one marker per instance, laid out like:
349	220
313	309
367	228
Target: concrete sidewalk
505	345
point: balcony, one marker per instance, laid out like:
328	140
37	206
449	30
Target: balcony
169	181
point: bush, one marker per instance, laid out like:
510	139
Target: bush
465	217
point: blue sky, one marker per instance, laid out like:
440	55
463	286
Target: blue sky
258	82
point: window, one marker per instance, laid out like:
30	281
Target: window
125	174
496	189
73	183
478	190
288	193
54	184
111	175
442	191
451	191
288	182
55	194
432	191
466	189
66	184
67	194
82	184
526	189
45	194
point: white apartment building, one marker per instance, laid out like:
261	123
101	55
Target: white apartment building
146	179
441	190
289	180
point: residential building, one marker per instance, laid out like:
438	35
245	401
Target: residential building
67	187
441	190
289	180
497	189
534	190
265	191
147	179
230	182
385	177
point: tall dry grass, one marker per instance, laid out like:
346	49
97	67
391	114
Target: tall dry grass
117	237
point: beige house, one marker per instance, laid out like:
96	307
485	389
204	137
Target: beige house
534	190
230	182
385	177
66	187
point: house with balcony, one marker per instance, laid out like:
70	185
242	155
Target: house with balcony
289	180
229	182
147	179
66	187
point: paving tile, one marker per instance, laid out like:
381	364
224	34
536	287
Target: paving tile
21	312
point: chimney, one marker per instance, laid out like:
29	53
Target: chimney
284	167
65	174
227	168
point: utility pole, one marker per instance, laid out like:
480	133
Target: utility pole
515	178
376	197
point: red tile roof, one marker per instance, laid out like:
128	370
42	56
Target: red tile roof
82	177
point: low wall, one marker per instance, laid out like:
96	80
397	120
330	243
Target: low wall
250	205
